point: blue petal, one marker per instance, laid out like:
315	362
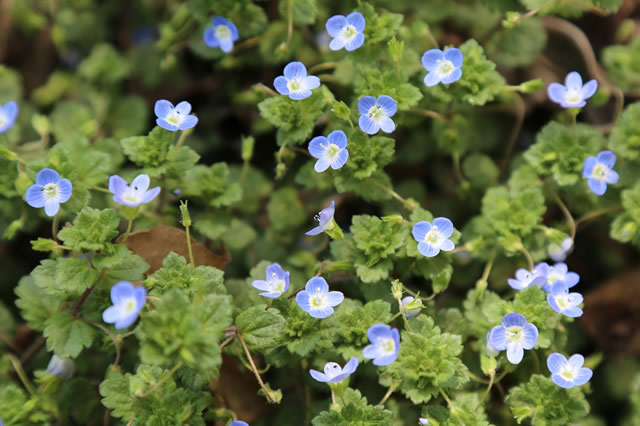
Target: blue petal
126	321
317	146
573	81
210	38
35	196
514	353
573	312
447	245
334	298
431	58
557	92
322	164
338	43
327	214
589	89
432	79
340	159
117	185
498	338
589	164
371	352
445	226
560	381
350	367
315	231
571	279
357	20
276	269
295	70
280	83
354	43
365	103
261	285
454	55
321	313
583	376
453	77
378	331
529	336
11	111
226	45
111	314
302	299
551	300
512	319
389	106
234	30
46	176
315	285
140	293
299	95
339	138
335	24
367	125
162	108
382	361
189	122
65	189
608	158
141	182
598	187
516	284
387	125
312	82
166	125
576	360
219	20
420	230
51	207
121	291
183	108
612	177
556	362
428	249
321	377
150	195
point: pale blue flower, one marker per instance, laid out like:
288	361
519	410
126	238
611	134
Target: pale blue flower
135	194
8	115
488	349
174	118
599	171
424	421
557	252
557	272
573	94
49	191
324	218
238	423
128	301
375	114
275	283
348	32
330	151
412	313
385	344
444	67
525	279
295	82
333	373
514	334
317	300
568	373
434	237
221	33
61	367
563	302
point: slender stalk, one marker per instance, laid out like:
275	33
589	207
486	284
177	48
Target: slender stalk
486	393
113	337
414	294
182	138
526	253
6	339
404	315
164	378
323	66
23	376
126	234
489	265
430	114
565	211
392	388
597	213
446	398
54	228
255	370
520	112
267	89
407	204
476	378
227	341
98	188
289	23
189	247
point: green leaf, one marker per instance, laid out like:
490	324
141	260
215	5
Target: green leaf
127	116
43	244
376	238
35	305
303	12
352	320
480	169
380	27
176	273
65	278
356	412
262	329
72	120
104	66
520	45
625	137
92	230
212	184
67	336
511	212
285	209
149	151
117	397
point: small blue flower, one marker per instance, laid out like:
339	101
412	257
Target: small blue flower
424	421
135	194
128	301
558	253
61	367
324	218
295	82
330	151
347	32
385	344
573	94
333	373
515	334
317	300
568	373
8	115
434	237
599	171
49	191
444	67
375	114
525	279
412	313
221	33
557	272
488	349
174	118
275	283
563	302
238	423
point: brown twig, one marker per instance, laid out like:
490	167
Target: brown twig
255	370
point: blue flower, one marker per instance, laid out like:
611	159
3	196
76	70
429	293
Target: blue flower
61	367
573	94
412	313
568	373
324	218
525	279
49	191
330	151
434	237
347	32
8	115
563	302
275	283
444	67
599	171
135	194
238	423
376	113
558	253
317	300
385	344
424	421
295	81
333	373
221	33
557	272
174	118
128	301
488	349
515	334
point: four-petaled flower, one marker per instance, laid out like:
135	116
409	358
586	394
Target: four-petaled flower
444	67
330	151
525	278
295	82
174	118
333	373
434	237
128	301
61	367
324	218
514	334
8	115
568	373
599	171
275	283
573	94
317	300
557	272
563	302
49	191
412	313
347	32
385	344
135	194
375	114
557	252
221	33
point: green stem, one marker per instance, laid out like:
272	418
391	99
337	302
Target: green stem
446	398
322	67
565	211
126	234
430	114
489	265
189	247
21	374
476	378
486	393
596	213
410	206
116	343
404	315
255	370
97	188
526	253
389	392
289	23
54	228
182	138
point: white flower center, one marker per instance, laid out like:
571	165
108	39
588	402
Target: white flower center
174	118
50	190
375	113
568	372
317	300
294	84
554	276
562	301
573	96
132	195
222	32
129	306
433	236
349	31
599	172
3	120
277	285
514	334
387	346
332	150
445	67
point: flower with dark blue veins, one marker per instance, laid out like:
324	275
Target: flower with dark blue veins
333	373
375	114
330	151
568	373
525	279
433	237
8	115
221	33
325	220
599	172
563	302
558	253
295	82
174	118
572	94
347	33
385	344
49	191
317	300
238	423
406	301
128	301
444	67
135	194
514	334
275	283
557	272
